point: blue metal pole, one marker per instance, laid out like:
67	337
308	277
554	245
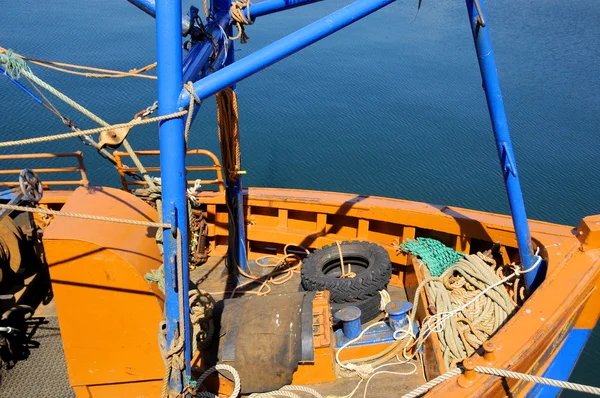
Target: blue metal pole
282	48
22	87
271	6
196	62
149	7
491	84
173	174
234	191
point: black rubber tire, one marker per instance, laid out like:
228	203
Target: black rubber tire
321	271
369	308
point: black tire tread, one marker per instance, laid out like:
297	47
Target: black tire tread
369	308
348	290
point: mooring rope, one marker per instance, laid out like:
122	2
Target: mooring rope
417	392
97	130
104	73
83	216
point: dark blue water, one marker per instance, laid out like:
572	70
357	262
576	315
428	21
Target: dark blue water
386	107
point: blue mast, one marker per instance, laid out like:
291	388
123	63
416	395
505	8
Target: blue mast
173	176
493	95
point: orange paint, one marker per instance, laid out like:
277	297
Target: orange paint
277	217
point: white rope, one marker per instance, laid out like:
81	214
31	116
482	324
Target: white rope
273	394
80	133
437	322
84	216
417	392
538	380
385	299
220	367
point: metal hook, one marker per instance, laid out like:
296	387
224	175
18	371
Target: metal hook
480	21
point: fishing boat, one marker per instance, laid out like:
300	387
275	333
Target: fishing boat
182	282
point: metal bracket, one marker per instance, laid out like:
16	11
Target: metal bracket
113	138
479	20
173	243
508	162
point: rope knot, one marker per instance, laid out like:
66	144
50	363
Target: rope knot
189	86
239	17
14	65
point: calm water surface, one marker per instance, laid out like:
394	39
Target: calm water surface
387	107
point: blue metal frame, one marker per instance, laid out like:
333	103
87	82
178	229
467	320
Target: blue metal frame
271	6
22	87
493	95
149	7
282	48
212	74
173	174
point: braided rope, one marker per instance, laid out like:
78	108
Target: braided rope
104	73
239	17
417	392
304	389
273	394
538	379
84	216
236	381
80	133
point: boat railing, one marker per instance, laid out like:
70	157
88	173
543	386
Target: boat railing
50	172
128	182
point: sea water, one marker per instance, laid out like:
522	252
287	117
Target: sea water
391	106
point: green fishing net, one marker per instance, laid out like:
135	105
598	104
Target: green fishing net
437	256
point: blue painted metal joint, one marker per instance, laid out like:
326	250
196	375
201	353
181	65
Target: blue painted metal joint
149	7
281	49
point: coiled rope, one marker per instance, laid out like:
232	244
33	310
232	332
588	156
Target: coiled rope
476	316
229	140
220	367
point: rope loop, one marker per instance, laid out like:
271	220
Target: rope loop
239	17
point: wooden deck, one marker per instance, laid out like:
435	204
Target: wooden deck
212	277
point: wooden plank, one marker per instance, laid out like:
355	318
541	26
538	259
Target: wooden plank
283	218
432	352
363	229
